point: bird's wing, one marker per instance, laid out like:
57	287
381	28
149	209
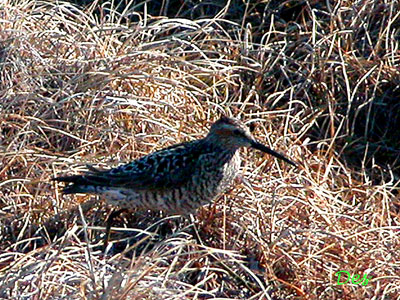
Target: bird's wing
170	167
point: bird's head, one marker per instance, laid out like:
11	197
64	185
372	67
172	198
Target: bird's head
233	134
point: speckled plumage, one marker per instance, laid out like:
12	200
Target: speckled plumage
177	179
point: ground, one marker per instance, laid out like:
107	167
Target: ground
99	85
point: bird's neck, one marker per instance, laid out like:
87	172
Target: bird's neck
226	156
222	154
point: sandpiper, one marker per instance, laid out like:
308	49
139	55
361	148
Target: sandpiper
178	179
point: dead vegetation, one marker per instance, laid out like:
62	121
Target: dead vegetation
320	80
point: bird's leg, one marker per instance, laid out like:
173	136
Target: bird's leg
110	218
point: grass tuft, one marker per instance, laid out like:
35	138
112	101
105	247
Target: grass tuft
102	85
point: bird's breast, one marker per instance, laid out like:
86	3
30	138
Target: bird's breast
216	175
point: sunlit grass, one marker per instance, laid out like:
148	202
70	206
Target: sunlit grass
79	88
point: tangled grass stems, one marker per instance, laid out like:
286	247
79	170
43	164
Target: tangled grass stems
320	81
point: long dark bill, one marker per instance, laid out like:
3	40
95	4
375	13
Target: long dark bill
261	147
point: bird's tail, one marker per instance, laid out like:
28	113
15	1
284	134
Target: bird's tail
87	184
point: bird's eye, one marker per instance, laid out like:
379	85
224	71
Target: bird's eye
236	132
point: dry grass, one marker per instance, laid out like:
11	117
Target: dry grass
79	88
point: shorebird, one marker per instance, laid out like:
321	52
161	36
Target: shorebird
178	179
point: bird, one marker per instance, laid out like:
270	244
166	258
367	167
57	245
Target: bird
178	179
